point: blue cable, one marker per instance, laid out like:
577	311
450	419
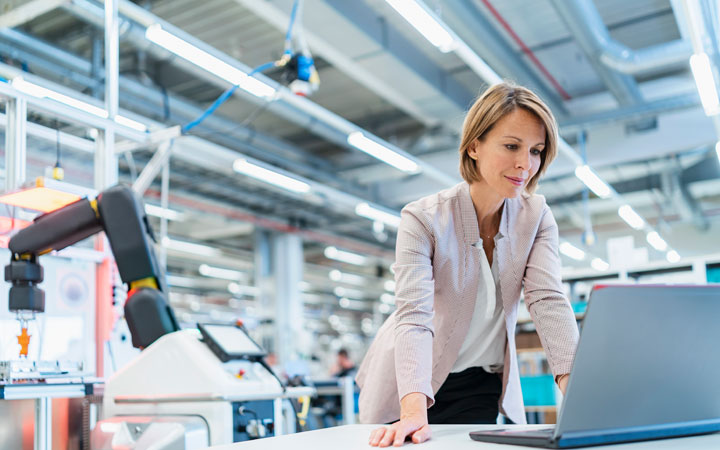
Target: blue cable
220	100
288	35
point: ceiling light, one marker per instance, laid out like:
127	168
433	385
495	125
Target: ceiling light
387	299
358	140
135	125
208	62
389	285
673	256
592	181
38	91
189	247
717	149
343	256
340	277
423	21
571	251
702	71
631	217
384	308
656	241
304	286
164	213
372	213
346	292
599	264
244	167
237	289
218	272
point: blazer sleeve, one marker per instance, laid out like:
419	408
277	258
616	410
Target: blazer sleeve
414	295
545	299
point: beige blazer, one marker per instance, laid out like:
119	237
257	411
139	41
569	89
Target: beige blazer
437	272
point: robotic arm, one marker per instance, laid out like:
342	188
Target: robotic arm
120	213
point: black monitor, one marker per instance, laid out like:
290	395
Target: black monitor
230	342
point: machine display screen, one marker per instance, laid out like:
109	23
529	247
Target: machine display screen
230	342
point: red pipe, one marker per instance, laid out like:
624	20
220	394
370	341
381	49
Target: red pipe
526	50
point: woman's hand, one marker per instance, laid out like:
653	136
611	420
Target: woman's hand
562	382
413	423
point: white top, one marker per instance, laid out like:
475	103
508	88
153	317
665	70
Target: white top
484	344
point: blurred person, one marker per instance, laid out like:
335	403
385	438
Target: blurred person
343	366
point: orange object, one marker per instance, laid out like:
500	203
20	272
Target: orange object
239	323
240	373
24	341
39	199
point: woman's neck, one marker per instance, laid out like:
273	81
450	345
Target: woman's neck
487	203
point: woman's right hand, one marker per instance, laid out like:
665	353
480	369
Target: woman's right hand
413	424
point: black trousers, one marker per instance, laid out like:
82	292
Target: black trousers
467	397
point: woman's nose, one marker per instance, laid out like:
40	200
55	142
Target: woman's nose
523	160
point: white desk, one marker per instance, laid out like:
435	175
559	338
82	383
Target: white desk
455	437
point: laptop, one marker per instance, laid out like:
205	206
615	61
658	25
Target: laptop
647	367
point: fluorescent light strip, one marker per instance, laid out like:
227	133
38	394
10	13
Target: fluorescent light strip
348	278
388	299
672	256
702	72
422	20
343	256
372	213
218	272
656	241
206	61
592	181
571	251
189	247
346	292
599	265
237	289
631	217
164	213
717	150
260	173
358	140
38	91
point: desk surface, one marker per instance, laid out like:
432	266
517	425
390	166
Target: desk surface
355	437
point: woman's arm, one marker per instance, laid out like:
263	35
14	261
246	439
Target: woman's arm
414	293
545	299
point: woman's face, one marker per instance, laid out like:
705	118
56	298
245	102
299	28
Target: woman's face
509	155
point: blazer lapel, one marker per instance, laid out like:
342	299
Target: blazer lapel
507	253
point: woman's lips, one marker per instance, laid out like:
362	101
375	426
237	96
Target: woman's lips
516	181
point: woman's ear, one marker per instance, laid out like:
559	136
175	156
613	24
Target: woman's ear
472	149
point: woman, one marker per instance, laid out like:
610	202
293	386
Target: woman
463	256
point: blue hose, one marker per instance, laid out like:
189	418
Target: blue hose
222	99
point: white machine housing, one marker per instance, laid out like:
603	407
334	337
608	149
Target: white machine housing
178	375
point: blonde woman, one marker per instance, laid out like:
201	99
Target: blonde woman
463	257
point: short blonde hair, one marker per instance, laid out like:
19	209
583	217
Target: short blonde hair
494	104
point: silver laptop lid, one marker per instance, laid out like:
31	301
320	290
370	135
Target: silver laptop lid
648	355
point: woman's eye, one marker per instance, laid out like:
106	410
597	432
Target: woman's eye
511	146
536	151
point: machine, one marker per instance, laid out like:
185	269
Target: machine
118	212
187	388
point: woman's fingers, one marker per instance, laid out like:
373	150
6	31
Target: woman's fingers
421	435
387	440
376	435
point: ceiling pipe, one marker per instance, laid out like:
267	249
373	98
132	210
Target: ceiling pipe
586	25
296	109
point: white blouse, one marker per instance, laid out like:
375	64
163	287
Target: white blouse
484	345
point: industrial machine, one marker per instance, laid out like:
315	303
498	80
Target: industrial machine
187	388
214	373
118	212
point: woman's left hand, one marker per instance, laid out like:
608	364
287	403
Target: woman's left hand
562	382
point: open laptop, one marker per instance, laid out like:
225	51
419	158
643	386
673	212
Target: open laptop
647	367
